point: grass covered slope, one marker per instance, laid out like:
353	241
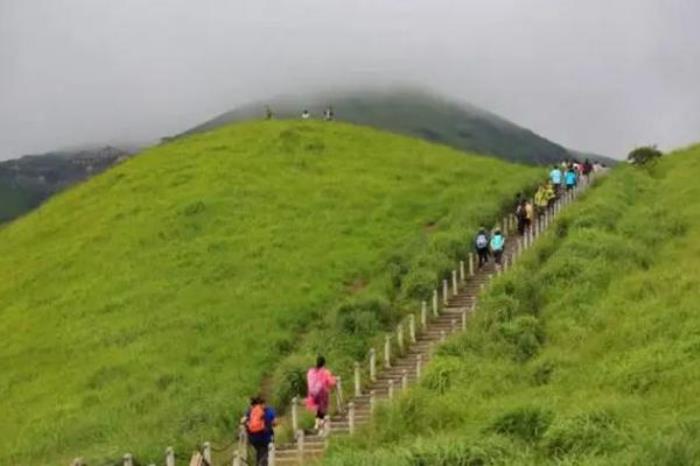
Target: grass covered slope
142	307
586	353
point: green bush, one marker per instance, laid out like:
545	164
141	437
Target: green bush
526	336
589	433
289	380
528	423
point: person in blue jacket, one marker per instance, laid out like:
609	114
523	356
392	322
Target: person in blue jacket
555	177
259	422
570	178
498	245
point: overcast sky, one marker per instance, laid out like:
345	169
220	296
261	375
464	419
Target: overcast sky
598	75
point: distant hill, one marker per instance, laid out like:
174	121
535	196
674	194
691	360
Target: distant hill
27	181
416	113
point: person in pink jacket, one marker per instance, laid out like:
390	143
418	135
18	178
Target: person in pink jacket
319	382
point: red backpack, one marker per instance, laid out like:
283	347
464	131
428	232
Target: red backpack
256	420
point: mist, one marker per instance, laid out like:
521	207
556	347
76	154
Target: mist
596	75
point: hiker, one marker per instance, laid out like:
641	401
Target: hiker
586	169
305	115
550	194
542	198
498	243
328	114
259	423
268	113
555	177
319	382
521	216
481	244
570	178
529	214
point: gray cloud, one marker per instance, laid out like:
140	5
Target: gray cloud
598	75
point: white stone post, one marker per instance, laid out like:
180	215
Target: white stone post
387	351
128	460
351	417
423	316
419	365
272	455
482	288
464	320
373	365
170	456
206	452
300	445
461	271
453	325
471	264
454	283
243	444
372	401
404	380
390	389
339	397
358	386
435	302
445	292
327	428
399	338
295	414
443	335
412	327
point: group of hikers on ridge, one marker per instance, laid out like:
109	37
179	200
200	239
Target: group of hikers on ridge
261	419
563	177
328	114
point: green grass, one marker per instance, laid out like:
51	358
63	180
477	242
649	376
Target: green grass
142	307
586	353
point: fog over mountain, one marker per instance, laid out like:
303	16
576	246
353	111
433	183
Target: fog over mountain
597	75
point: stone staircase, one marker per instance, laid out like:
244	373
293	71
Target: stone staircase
403	371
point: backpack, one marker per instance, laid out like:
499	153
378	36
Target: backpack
316	384
256	420
481	241
497	243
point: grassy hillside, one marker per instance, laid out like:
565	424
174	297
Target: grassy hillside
142	307
415	113
587	353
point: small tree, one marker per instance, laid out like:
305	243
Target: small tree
643	155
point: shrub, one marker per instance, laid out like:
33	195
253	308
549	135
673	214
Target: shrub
363	315
419	284
644	155
440	374
526	336
289	380
527	423
590	433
